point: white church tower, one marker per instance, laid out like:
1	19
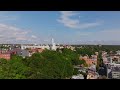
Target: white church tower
53	45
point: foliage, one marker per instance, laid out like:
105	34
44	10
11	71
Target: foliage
45	65
75	72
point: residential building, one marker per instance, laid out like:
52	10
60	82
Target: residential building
96	53
118	52
92	75
35	46
90	61
24	53
78	76
5	55
36	50
115	72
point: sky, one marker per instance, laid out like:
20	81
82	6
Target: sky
66	27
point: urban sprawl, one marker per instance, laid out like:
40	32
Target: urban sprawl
87	61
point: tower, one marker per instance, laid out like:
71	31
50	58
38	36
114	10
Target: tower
53	45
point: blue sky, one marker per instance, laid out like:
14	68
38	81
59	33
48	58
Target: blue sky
66	27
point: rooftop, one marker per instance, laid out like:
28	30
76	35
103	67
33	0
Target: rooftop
116	69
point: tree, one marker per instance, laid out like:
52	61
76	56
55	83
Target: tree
13	69
49	65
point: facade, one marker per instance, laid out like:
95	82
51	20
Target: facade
37	50
96	53
115	75
24	53
35	46
111	59
109	73
90	61
79	76
5	55
93	68
118	52
70	47
92	75
115	72
29	53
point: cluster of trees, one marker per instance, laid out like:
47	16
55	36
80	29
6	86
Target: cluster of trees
45	65
97	48
85	51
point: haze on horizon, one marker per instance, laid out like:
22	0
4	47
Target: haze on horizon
66	27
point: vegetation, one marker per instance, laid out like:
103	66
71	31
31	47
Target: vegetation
50	64
45	65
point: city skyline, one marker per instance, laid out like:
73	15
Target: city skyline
66	27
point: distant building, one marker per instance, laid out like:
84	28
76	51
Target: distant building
92	75
89	61
118	52
53	45
116	72
35	46
29	53
113	71
93	68
79	76
5	55
24	53
96	53
104	53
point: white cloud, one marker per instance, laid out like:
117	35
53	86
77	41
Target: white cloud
13	34
33	36
66	19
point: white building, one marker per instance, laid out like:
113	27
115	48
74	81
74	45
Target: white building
53	45
113	70
34	46
118	52
79	76
116	72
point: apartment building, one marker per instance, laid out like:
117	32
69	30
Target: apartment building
115	72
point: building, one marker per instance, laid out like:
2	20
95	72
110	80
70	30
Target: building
53	47
93	67
96	53
106	60
24	53
111	59
35	46
89	61
79	76
29	53
5	55
118	52
92	75
70	47
40	50
115	72
104	53
36	50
